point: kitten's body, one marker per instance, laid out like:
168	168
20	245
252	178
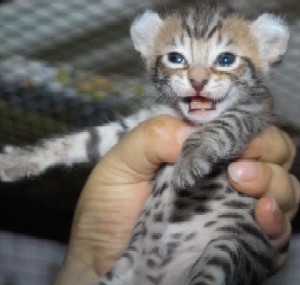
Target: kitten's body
209	65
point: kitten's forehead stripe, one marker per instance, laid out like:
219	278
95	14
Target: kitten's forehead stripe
214	29
186	27
203	20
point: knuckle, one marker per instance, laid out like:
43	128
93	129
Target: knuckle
284	149
284	153
288	190
161	137
296	188
157	123
282	187
160	128
291	148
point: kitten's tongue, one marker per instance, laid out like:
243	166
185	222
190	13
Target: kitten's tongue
199	103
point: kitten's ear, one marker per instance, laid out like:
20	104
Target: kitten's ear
144	30
272	35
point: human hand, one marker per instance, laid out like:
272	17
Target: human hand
114	196
120	183
267	178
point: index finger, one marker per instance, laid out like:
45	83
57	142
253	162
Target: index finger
273	146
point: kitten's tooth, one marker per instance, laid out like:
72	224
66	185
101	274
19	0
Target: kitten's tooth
199	103
200	106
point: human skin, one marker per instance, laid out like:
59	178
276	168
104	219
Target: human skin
119	185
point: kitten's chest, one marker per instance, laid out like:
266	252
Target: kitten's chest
190	216
177	220
169	206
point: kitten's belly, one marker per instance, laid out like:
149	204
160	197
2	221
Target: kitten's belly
189	249
171	246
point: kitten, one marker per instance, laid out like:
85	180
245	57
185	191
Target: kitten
209	65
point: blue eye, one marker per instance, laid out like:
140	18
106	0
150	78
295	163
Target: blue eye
226	59
176	58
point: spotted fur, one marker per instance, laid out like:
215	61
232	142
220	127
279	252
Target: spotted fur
209	65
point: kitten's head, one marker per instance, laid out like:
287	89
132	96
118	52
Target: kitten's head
203	57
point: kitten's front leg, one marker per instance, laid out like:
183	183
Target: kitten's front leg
26	161
215	143
83	147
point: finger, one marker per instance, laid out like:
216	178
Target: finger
265	179
272	145
275	225
273	222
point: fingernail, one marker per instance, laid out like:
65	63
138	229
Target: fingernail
272	206
243	171
279	218
185	132
278	222
275	208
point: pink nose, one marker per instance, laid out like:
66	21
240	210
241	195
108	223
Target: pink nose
198	85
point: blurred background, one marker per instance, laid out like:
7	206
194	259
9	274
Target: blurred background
65	65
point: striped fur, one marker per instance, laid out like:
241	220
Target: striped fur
209	65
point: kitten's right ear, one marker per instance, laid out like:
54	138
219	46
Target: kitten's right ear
144	30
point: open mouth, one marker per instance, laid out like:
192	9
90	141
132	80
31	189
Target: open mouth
199	103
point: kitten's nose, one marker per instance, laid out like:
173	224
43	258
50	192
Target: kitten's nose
198	84
199	77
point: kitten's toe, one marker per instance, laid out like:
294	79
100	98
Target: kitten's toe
16	173
188	172
182	180
15	168
7	176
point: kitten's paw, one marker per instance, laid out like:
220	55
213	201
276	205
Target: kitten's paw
189	171
15	165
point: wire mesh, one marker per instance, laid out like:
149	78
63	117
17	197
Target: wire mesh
80	51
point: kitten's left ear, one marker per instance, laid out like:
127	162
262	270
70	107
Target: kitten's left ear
272	35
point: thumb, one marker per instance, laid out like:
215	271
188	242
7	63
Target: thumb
139	154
